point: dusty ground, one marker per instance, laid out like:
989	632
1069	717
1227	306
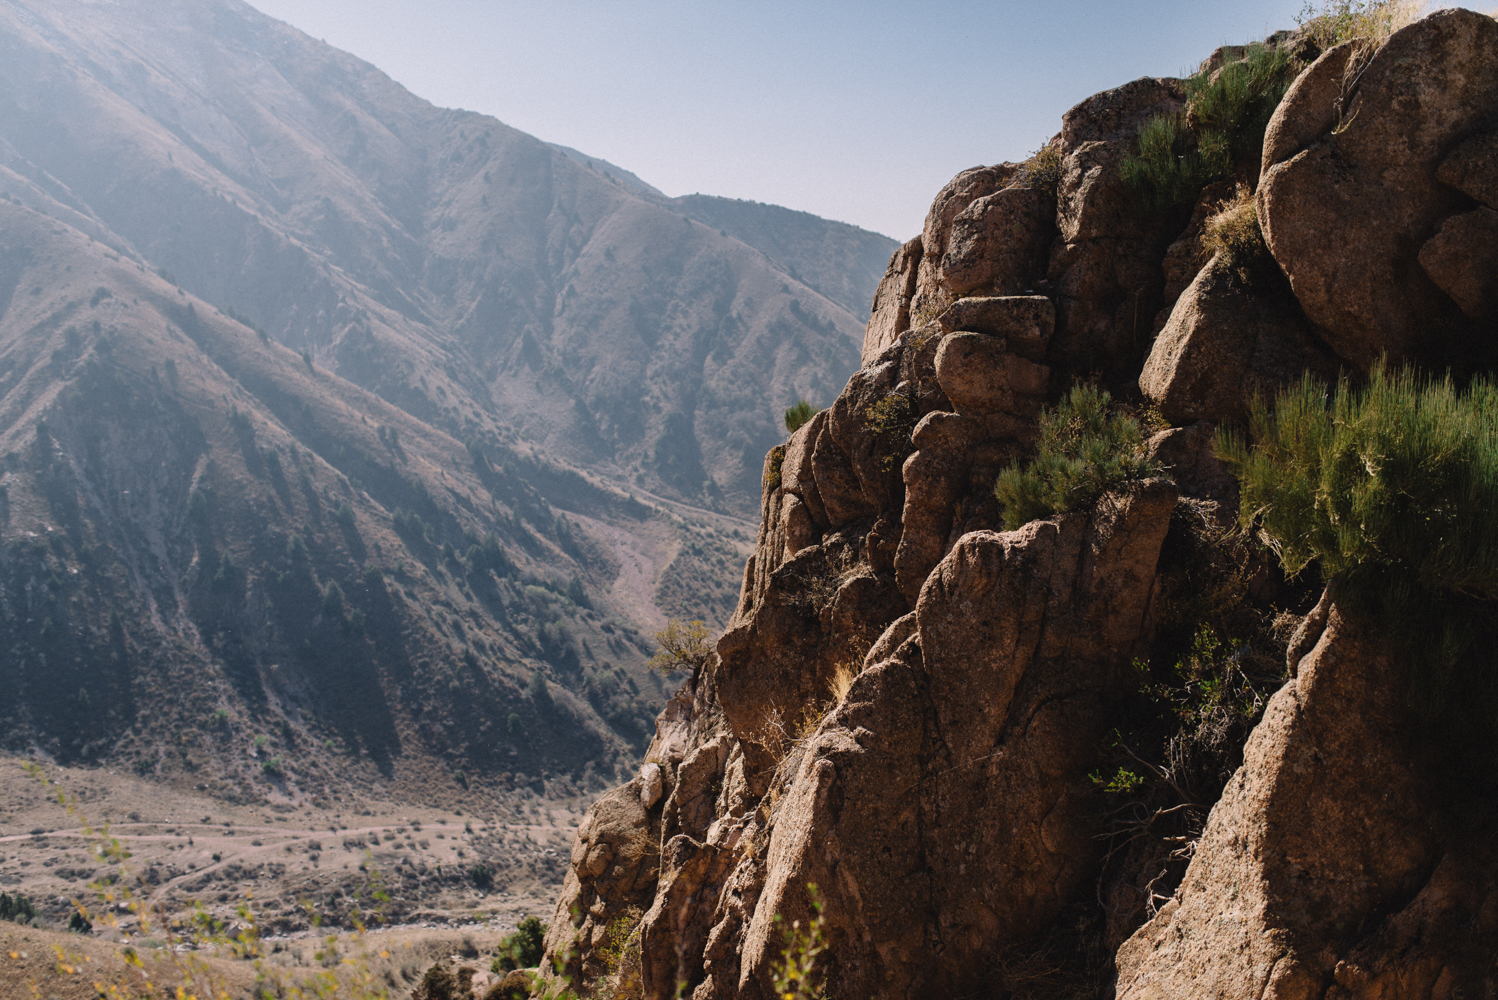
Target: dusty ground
56	965
406	872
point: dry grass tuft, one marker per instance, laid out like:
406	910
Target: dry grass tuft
1234	233
1367	21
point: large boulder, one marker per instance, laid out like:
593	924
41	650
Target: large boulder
1105	267
1026	322
1346	216
998	243
1462	259
1472	168
951	201
1319	865
946	798
980	375
890	315
1227	341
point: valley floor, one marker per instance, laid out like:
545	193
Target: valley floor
424	875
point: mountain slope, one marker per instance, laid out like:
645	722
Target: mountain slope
468	273
209	539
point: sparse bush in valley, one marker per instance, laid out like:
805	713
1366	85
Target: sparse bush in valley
523	949
683	646
17	909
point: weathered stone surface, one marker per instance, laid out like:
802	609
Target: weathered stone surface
1462	259
1025	321
1184	257
848	429
1224	343
935	476
652	784
796	475
1310	108
612	869
945	798
1472	168
890	316
980	375
1346	217
1105	267
1320	832
1188	456
998	243
960	192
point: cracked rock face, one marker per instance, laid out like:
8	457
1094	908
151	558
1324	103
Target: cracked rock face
907	704
1347	213
1319	873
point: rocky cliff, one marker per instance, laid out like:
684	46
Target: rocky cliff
1113	751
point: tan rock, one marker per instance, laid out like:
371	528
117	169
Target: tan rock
890	316
612	869
652	785
796	476
969	826
1224	343
998	243
960	192
1184	258
1472	168
1321	830
980	376
935	476
1462	259
1025	321
1346	217
1310	108
1105	267
1188	456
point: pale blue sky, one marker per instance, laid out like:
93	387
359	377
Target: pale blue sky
853	111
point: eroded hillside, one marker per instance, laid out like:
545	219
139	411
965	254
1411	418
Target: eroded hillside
477	278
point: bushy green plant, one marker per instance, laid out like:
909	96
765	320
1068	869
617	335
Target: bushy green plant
1168	170
799	414
683	646
1083	450
1236	102
523	949
17	908
1392	489
1226	114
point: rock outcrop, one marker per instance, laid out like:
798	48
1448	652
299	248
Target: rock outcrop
909	735
1347	213
1320	873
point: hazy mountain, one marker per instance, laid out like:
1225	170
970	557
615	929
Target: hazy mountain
470	274
609	170
325	413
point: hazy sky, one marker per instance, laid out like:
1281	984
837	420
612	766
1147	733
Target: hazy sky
853	111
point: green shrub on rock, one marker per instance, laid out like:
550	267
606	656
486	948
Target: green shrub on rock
798	415
1084	449
1223	126
1392	489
